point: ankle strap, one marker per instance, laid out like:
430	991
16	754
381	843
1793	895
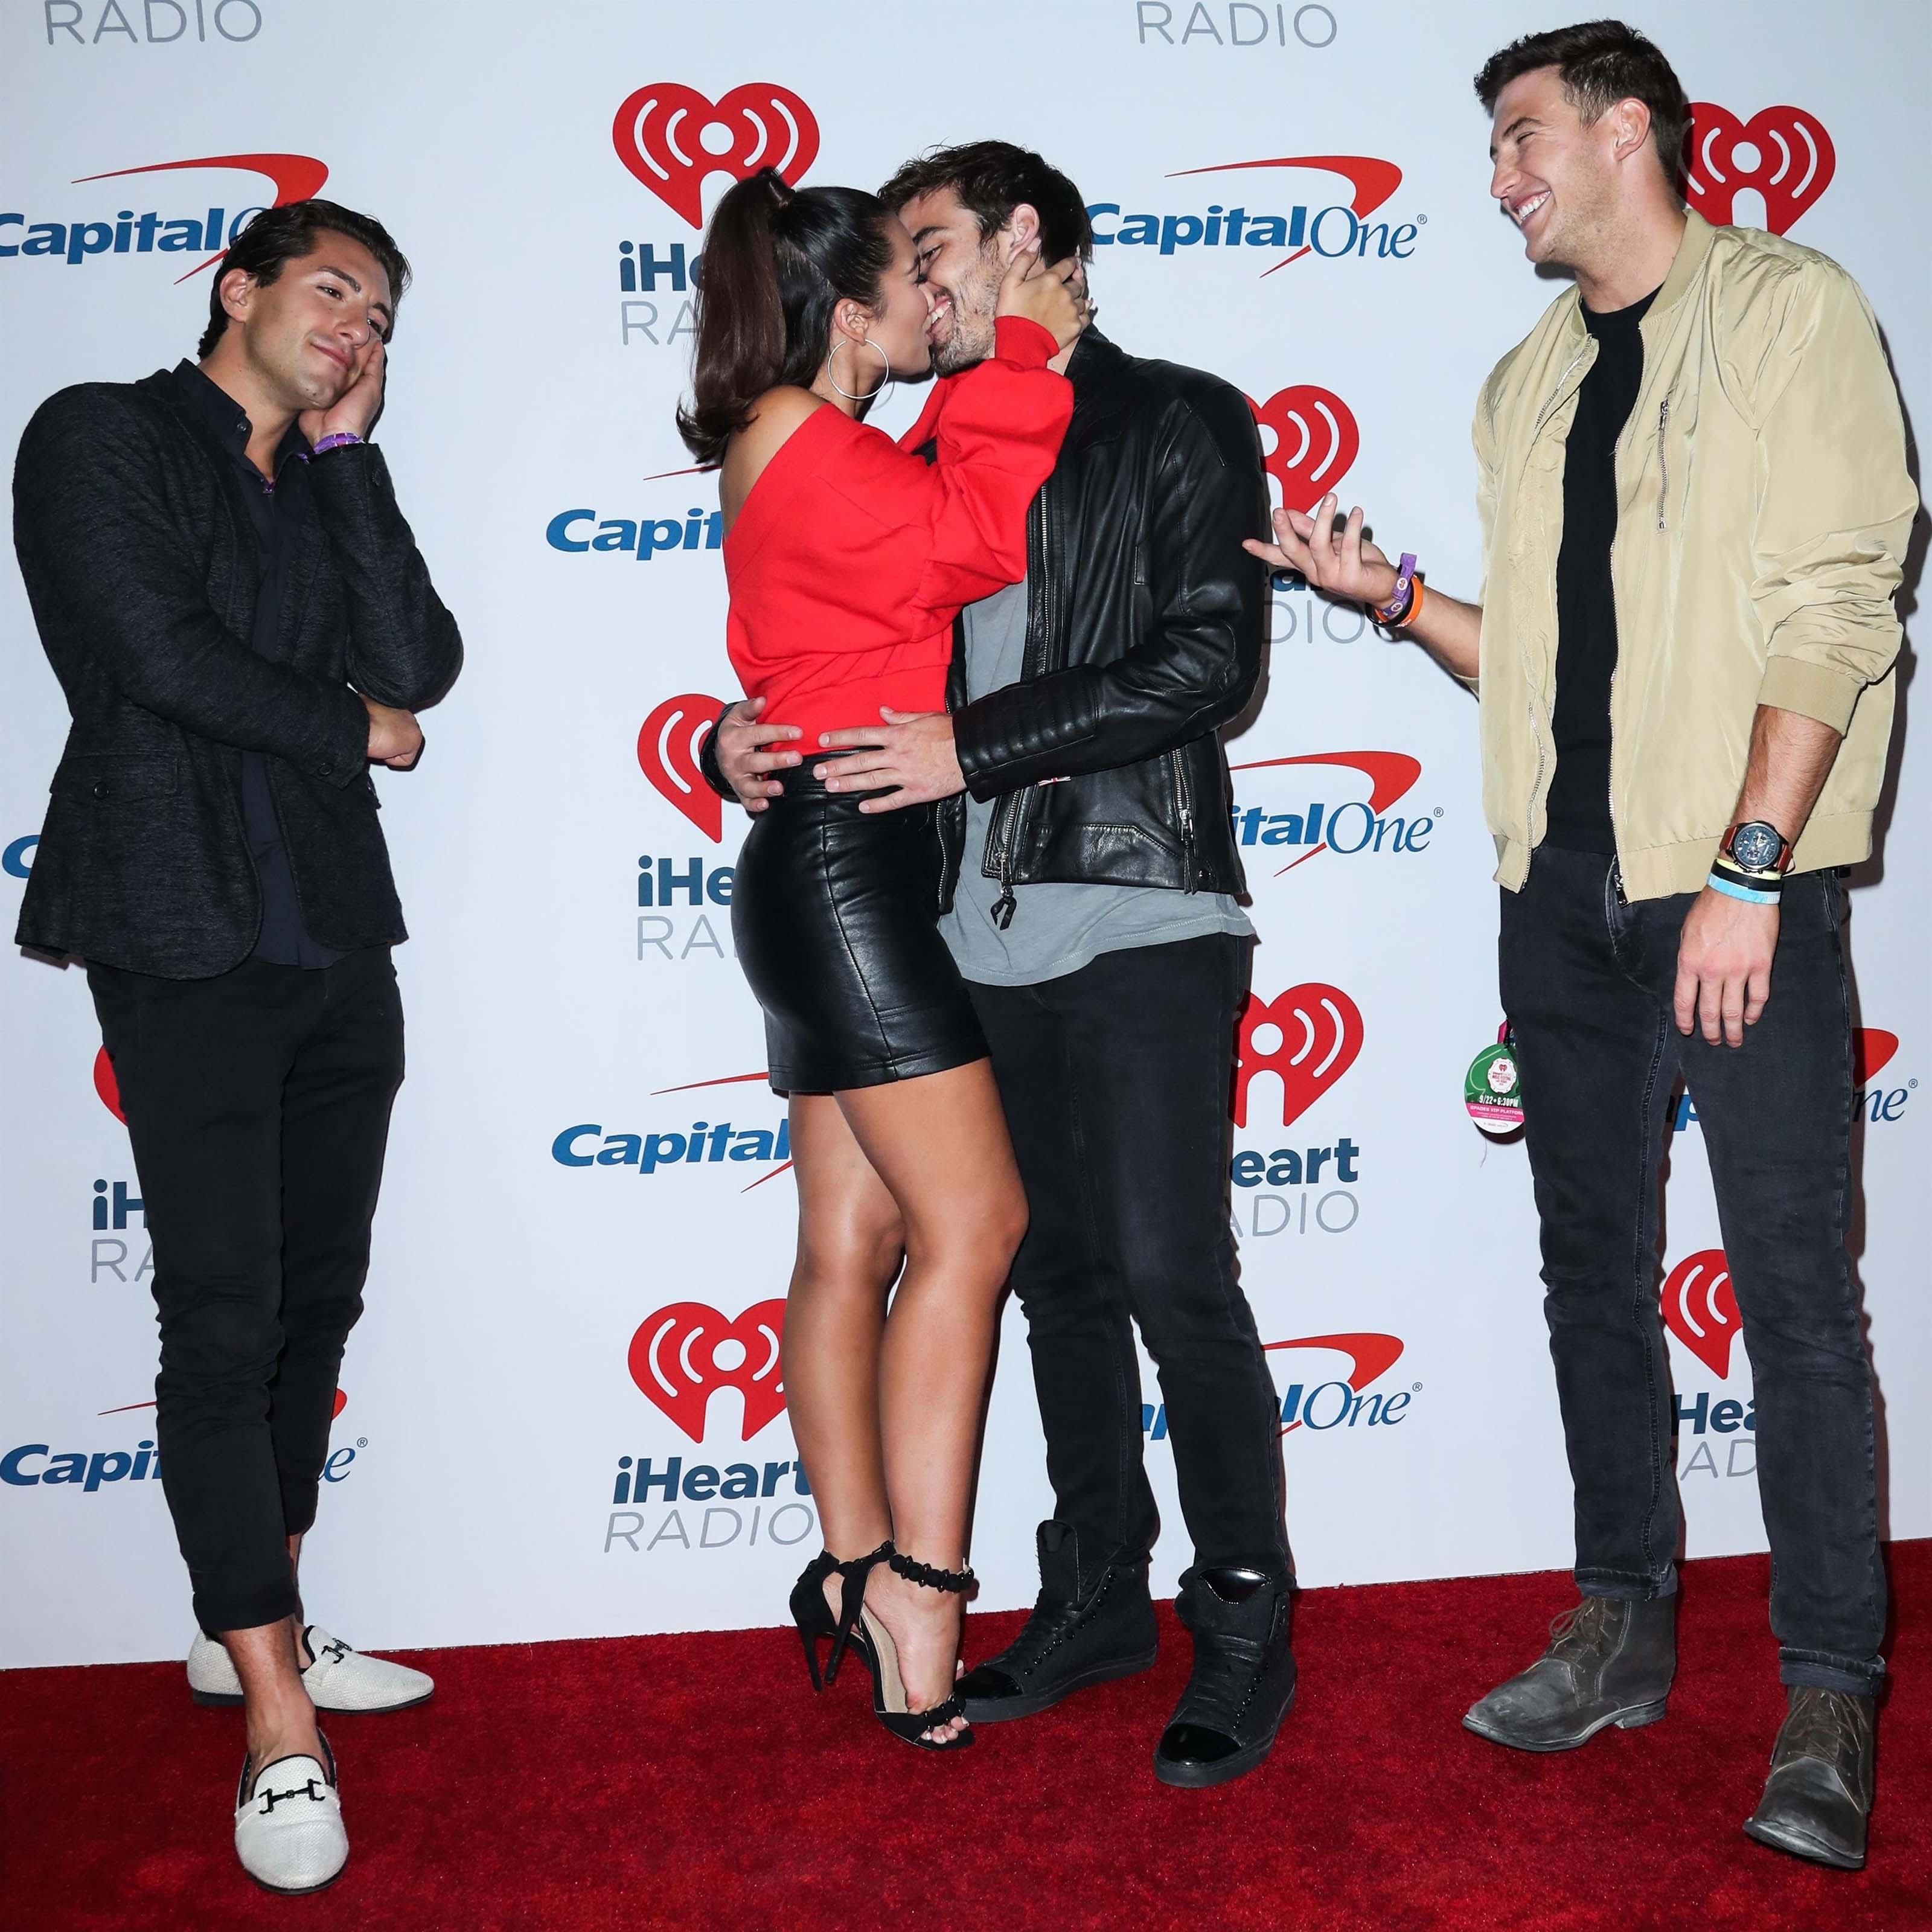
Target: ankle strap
857	1566
955	1582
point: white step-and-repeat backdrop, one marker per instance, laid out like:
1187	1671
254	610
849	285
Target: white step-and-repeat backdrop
561	1414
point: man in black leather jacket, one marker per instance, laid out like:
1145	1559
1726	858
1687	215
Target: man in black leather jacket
1088	891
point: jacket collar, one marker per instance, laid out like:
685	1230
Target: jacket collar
1094	362
1693	250
1093	359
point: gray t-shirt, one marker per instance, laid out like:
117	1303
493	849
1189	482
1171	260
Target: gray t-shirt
1055	928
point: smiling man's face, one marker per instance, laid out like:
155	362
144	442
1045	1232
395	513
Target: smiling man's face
1556	178
306	334
963	271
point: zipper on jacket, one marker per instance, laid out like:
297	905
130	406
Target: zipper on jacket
1184	811
1556	401
1010	814
1663	459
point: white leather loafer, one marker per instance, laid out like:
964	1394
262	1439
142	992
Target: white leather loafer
289	1833
340	1678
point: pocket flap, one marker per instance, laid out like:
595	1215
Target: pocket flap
109	780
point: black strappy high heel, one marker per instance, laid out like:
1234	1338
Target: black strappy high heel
813	1614
888	1694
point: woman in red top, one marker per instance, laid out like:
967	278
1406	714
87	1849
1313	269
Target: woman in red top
848	558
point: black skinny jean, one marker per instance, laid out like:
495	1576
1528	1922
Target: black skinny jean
1114	1080
258	1104
1587	982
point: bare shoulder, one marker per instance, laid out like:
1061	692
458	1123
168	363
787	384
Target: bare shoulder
774	417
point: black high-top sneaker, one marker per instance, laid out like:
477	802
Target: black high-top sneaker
1610	1661
1085	1629
1242	1680
1819	1795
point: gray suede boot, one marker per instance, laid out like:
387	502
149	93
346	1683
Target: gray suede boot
1819	1795
1610	1661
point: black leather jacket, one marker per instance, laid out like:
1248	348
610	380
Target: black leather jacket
1144	637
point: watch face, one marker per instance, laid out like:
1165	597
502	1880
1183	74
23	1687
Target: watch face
1755	846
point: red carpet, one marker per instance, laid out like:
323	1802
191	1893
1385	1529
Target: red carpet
694	1781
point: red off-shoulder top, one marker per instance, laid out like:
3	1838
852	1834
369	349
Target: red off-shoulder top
851	555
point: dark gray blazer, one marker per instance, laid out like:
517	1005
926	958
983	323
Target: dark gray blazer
141	565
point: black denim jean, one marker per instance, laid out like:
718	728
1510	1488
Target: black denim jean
1587	982
1115	1080
258	1104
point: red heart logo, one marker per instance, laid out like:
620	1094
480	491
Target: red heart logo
107	1087
668	752
341	1403
1313	1034
674	140
1700	1309
1872	1047
1782	152
683	1354
1316	442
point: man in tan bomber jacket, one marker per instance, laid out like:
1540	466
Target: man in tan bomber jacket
1695	505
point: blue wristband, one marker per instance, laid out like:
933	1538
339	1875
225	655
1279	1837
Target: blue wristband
1732	890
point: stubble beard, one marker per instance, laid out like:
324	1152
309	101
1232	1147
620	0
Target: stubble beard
969	336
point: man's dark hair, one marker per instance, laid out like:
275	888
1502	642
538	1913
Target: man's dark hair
1600	63
279	236
991	178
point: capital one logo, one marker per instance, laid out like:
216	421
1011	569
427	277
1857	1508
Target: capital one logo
673	139
1306	1038
1370	1358
681	1356
1784	153
292	178
1700	1308
1316	442
1391	777
1872	1049
667	748
1371	180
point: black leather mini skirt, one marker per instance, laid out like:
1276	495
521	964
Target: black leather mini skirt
834	915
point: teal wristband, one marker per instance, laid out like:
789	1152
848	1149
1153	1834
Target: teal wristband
1735	888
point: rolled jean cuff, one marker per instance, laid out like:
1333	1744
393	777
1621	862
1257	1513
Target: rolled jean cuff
1624	1587
227	1609
1819	1670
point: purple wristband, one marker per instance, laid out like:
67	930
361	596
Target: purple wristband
1397	608
340	439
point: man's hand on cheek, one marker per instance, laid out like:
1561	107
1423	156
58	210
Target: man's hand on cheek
912	753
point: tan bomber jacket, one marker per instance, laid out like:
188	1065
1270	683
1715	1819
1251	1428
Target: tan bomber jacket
1763	507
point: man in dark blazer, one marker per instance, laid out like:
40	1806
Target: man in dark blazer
241	623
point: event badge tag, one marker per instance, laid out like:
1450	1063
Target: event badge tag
1492	1092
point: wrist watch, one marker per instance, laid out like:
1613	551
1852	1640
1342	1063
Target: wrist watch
1757	847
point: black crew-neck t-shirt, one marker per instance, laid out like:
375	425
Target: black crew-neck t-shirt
1579	804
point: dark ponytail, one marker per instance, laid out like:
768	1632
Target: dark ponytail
777	262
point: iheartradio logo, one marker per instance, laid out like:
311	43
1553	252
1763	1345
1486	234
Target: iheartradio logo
107	1087
1316	441
1307	1037
1782	152
1701	1309
681	1356
674	139
667	747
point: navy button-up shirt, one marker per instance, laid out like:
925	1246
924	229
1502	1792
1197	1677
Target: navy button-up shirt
280	509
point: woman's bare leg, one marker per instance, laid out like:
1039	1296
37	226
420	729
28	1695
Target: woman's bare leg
938	1143
850	1246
